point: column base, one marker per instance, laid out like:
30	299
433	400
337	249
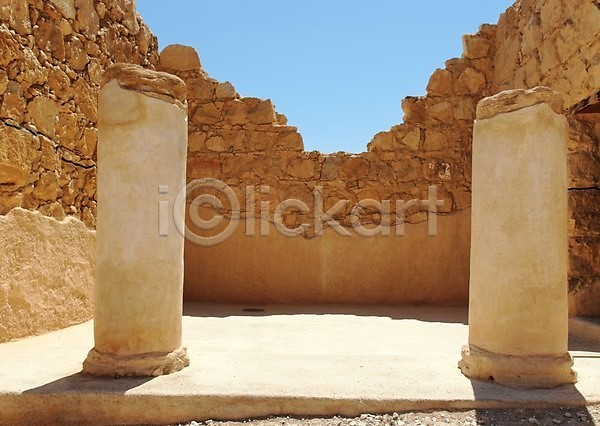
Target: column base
527	372
144	365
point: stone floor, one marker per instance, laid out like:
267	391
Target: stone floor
275	360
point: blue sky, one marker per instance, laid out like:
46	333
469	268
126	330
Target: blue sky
337	69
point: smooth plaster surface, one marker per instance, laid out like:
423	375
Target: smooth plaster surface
410	269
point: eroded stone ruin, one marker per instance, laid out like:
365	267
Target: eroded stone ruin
52	58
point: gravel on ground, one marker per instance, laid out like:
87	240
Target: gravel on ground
500	417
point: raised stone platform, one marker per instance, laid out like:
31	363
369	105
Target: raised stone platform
301	360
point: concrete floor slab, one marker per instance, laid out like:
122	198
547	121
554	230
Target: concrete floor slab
299	360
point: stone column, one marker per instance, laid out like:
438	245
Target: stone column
142	148
519	250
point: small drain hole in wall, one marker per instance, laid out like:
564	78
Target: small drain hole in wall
253	310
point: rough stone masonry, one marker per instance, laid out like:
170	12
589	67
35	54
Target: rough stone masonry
52	56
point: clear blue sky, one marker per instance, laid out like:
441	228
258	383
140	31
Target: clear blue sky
337	69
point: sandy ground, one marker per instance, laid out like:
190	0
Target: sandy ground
501	417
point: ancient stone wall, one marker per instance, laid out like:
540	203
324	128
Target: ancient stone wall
554	43
243	141
47	273
52	56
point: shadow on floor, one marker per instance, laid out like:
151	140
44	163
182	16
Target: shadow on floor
420	313
83	382
564	404
577	344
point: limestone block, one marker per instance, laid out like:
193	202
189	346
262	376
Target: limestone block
443	111
290	141
301	168
281	119
44	114
235	112
10	201
532	38
217	143
13	103
87	144
548	57
87	22
236	139
584	169
434	140
76	54
129	15
65	7
47	269
196	142
475	46
46	188
241	165
506	59
32	71
9	47
16	148
87	99
355	167
382	171
201	88
414	110
206	114
262	113
464	109
16	12
412	139
204	166
440	83
262	141
60	84
178	57
589	19
471	82
382	141
3	82
225	90
49	37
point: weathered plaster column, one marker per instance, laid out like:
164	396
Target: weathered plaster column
518	290
142	145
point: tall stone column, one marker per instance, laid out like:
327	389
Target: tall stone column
142	148
519	250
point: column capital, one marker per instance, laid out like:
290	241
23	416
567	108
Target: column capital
158	84
513	100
